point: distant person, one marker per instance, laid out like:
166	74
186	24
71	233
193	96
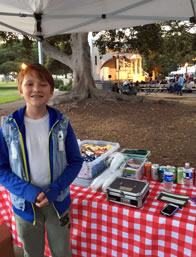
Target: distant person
191	81
180	85
39	159
115	88
137	86
126	83
137	83
163	81
171	87
132	89
125	87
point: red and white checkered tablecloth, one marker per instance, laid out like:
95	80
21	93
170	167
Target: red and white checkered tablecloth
104	229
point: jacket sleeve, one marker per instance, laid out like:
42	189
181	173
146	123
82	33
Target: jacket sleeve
12	182
74	161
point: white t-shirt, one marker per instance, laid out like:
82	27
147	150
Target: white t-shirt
37	146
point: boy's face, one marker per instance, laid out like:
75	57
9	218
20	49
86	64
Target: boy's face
35	91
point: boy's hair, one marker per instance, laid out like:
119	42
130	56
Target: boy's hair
41	71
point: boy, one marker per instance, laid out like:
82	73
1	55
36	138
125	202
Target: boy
39	159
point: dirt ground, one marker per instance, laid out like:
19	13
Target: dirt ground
162	124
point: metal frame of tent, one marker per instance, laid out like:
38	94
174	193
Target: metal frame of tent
38	35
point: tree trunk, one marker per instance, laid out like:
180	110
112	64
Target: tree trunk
80	62
83	81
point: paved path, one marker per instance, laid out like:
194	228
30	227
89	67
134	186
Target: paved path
12	106
185	99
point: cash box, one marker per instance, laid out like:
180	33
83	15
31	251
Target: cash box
128	191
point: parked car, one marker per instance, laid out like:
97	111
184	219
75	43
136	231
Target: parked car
189	87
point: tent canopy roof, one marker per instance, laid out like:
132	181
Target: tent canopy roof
46	18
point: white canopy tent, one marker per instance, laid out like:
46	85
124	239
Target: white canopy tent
184	70
44	18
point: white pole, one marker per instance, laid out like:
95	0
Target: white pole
40	52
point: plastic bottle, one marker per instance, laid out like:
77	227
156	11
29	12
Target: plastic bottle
168	180
188	176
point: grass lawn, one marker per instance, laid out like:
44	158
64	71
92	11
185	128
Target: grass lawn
8	92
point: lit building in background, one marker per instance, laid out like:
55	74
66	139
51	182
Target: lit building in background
115	66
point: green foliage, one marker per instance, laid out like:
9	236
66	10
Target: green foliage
62	88
56	67
61	42
13	52
111	39
148	39
66	87
9	38
58	82
163	46
179	43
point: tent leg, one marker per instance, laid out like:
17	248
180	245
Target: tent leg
40	52
193	7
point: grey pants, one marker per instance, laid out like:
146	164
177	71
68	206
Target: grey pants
33	236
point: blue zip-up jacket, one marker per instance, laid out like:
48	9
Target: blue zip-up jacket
15	175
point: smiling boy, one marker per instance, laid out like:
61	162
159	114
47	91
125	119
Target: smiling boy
39	159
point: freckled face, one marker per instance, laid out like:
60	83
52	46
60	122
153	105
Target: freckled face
35	91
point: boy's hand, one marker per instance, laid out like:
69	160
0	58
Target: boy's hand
41	200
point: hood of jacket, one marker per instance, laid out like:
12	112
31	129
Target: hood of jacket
18	116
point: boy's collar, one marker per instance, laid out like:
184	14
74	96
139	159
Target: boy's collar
18	115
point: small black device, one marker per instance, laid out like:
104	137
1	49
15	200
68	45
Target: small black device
64	220
170	209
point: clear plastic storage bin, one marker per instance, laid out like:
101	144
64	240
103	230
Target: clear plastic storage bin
134	166
91	169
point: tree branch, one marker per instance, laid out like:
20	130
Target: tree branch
56	54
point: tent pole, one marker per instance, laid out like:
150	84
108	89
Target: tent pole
40	52
193	19
38	18
193	7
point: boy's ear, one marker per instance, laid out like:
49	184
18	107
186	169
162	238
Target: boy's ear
20	91
51	93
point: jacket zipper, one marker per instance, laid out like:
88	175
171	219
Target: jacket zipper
49	163
25	165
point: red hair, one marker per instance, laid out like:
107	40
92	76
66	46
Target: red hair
41	72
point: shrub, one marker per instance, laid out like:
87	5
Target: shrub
66	87
58	83
62	88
